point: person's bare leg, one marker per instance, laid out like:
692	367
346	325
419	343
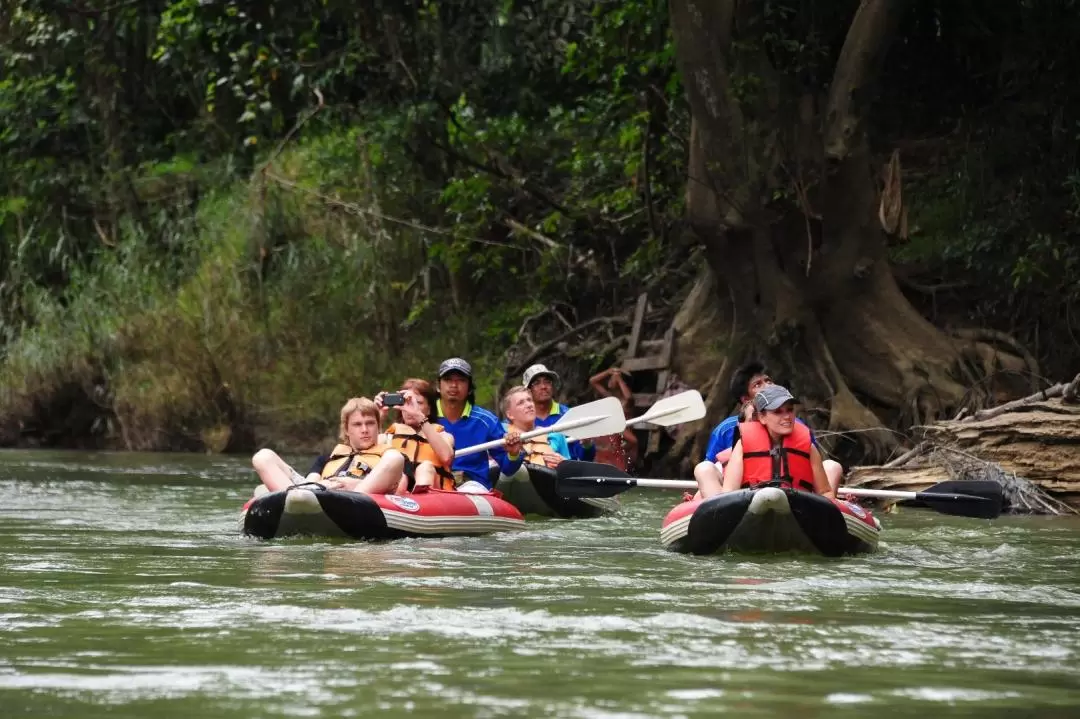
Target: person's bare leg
710	480
425	474
835	472
274	472
386	475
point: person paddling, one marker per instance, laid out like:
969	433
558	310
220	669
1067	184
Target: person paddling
772	448
471	425
548	450
427	446
357	463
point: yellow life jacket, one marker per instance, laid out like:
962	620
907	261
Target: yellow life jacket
536	448
347	462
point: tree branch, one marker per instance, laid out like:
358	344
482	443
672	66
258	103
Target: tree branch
536	353
352	206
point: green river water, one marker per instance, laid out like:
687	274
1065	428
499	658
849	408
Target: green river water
126	591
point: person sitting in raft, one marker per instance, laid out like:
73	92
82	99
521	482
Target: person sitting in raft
547	450
470	425
748	380
618	450
541	383
772	448
358	463
428	448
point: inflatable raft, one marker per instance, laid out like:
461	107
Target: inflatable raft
770	519
534	493
311	509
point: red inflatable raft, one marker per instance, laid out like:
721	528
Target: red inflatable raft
311	509
770	519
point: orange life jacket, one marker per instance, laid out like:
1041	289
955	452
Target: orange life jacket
347	462
787	463
417	449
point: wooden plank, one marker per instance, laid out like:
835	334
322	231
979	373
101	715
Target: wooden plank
653	346
639	320
640	364
662	380
665	352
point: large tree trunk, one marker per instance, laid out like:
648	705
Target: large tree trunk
783	194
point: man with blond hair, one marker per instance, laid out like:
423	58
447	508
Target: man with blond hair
357	463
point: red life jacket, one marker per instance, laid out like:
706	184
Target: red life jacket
788	463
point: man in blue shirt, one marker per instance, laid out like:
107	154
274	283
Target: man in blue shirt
471	425
745	384
540	381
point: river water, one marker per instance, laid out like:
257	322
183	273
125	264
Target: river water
126	591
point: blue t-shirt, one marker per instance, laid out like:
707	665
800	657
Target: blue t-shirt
477	426
723	437
585	454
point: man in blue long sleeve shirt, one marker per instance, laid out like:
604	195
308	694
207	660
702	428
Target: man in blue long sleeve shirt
745	384
540	381
471	425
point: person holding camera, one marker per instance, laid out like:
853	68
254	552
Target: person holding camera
427	446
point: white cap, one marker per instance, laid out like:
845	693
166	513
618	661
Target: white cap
538	370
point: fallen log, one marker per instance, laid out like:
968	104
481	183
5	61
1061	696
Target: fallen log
1031	446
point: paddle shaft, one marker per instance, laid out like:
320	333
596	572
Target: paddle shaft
540	431
650	416
898	494
851	491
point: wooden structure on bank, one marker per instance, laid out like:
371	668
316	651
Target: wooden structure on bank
648	356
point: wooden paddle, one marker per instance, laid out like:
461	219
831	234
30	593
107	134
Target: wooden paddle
595	419
973	498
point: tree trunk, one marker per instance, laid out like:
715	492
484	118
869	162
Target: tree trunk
784	196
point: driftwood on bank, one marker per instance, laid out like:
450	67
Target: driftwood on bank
1031	446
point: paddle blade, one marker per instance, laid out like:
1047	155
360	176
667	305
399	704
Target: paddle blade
686	406
591	487
981	499
607	415
583	480
571	468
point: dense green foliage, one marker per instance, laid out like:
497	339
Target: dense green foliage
217	219
274	207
